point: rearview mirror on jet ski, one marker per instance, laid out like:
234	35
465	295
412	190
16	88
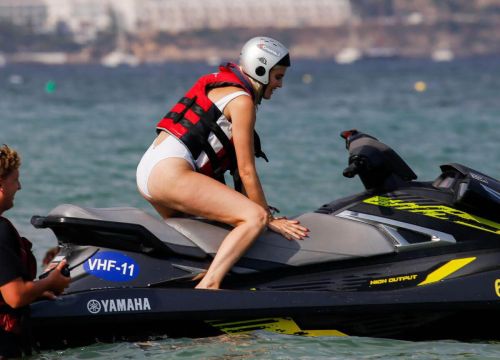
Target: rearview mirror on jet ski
402	259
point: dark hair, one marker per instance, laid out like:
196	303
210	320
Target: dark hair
285	61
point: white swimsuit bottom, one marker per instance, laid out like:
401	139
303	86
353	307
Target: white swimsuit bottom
171	147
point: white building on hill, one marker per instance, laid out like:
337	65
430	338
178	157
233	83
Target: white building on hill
85	18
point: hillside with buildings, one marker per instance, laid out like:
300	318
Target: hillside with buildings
144	31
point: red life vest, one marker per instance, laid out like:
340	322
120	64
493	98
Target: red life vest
9	320
194	118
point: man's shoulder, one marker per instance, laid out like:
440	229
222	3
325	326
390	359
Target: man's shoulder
5	223
7	231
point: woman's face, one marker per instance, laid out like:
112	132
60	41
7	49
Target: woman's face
9	185
275	81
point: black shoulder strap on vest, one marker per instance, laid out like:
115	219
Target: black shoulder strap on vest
258	147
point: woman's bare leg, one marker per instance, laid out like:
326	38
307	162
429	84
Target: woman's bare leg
173	185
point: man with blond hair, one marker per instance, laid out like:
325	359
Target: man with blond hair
18	267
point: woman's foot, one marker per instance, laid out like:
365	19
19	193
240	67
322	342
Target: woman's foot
199	276
207	283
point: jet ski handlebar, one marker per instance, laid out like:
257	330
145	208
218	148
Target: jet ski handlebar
355	167
378	166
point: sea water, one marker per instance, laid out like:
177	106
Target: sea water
81	131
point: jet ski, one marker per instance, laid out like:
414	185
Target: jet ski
403	259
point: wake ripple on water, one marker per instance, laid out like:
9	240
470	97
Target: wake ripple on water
263	345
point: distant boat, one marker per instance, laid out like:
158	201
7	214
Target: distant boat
117	58
440	55
3	60
16	79
381	53
47	58
348	55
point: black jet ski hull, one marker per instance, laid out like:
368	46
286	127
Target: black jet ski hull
466	309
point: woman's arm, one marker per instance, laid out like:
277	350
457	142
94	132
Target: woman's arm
242	114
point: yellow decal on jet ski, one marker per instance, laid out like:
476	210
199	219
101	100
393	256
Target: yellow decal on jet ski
277	325
393	279
447	269
497	287
439	212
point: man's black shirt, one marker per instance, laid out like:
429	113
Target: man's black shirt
10	260
11	268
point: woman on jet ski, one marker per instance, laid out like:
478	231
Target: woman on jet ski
18	267
211	130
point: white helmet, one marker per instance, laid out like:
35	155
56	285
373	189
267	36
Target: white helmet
260	54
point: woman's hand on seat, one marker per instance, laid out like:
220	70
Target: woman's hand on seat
290	229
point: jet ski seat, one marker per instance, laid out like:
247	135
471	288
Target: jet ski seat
331	238
128	215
